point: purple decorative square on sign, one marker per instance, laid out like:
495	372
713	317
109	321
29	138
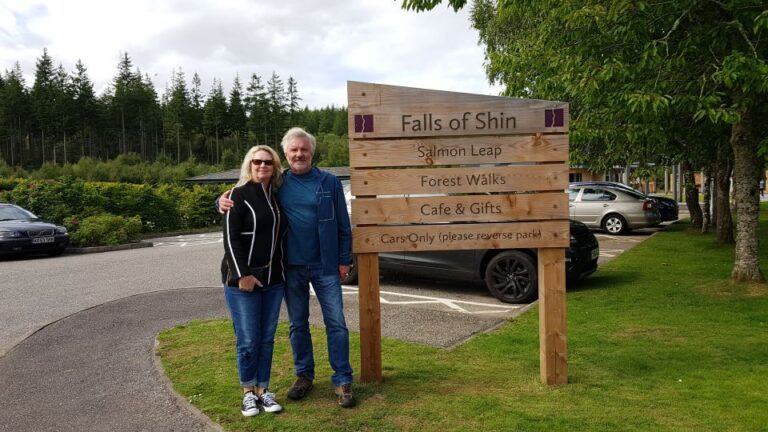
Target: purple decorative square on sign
363	123
554	117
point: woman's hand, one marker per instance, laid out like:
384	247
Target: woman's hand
248	283
225	203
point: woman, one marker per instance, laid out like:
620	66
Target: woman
253	274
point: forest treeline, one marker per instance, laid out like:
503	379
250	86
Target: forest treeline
60	118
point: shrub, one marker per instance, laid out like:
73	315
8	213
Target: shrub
163	208
196	207
52	200
156	205
106	229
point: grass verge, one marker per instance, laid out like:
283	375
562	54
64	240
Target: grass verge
659	339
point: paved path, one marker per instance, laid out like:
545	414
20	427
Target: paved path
96	371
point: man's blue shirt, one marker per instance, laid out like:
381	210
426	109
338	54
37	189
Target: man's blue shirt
299	198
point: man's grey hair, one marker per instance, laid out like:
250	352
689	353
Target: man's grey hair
297	132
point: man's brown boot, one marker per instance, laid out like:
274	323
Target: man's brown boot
346	399
300	388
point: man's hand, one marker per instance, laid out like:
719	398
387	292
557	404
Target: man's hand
225	203
344	271
248	283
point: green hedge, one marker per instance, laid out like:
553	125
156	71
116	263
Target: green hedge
127	168
166	207
105	229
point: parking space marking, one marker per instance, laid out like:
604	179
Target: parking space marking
462	306
189	240
622	238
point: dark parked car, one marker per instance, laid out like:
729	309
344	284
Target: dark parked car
511	275
668	208
21	232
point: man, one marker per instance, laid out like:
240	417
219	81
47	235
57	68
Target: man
319	250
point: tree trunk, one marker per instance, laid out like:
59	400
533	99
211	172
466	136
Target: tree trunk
722	213
82	139
691	196
714	196
746	175
178	145
122	125
706	179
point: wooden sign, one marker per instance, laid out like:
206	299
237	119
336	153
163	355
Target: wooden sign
464	208
521	235
510	178
437	170
458	150
381	111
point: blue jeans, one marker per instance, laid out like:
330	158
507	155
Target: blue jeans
254	318
328	291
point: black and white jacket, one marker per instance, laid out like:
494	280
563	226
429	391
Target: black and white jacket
254	236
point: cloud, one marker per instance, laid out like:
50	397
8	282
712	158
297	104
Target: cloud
321	43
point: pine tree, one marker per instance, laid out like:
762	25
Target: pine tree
124	84
62	112
176	116
84	106
214	115
42	97
257	108
293	101
277	108
14	114
236	118
196	104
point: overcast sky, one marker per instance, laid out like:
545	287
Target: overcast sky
321	43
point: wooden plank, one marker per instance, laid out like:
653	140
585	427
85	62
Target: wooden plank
510	178
460	236
458	150
381	111
370	317
465	208
553	354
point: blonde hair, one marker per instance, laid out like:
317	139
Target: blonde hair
245	168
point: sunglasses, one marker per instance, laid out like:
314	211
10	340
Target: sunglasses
267	162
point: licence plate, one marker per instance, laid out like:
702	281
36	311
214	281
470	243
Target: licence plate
39	240
595	253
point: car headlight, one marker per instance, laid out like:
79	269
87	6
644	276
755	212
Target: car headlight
61	230
9	234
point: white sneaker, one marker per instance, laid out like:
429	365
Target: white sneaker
268	402
250	406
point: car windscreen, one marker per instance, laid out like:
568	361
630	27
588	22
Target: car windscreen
15	213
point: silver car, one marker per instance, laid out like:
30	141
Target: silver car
615	210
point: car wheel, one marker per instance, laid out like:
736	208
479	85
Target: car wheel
511	277
615	224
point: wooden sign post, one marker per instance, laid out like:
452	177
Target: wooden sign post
488	172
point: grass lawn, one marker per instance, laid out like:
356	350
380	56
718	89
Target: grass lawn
659	339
